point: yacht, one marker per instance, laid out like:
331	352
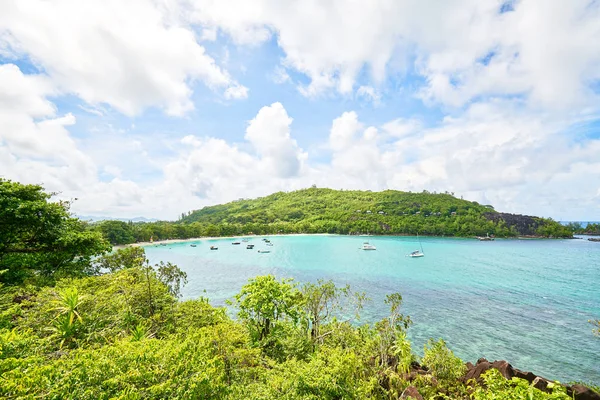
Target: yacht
367	246
416	253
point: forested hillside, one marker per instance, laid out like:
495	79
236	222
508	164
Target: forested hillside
353	212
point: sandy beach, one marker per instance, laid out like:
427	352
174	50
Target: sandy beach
172	241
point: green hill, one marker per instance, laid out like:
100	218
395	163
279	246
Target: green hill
358	212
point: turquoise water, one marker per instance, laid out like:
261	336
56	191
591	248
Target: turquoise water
525	301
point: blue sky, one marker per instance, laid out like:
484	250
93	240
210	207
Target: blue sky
154	108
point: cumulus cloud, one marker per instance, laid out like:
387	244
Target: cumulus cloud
33	137
269	133
464	49
130	55
509	88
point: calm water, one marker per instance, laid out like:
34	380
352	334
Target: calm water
526	301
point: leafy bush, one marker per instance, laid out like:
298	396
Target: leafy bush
496	387
442	362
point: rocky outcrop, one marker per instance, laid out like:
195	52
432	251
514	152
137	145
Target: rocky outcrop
474	372
594	239
411	392
524	224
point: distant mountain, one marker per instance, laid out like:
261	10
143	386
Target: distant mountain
95	218
360	212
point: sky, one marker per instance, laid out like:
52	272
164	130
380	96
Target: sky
157	107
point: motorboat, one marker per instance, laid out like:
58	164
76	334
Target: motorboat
236	243
250	246
264	251
214	248
367	246
269	244
192	245
487	238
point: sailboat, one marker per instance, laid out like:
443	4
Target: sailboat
417	253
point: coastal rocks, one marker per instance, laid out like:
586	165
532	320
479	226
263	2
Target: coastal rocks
411	392
483	365
594	239
578	392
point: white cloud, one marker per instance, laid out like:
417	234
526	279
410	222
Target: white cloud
280	75
465	49
236	92
369	93
401	127
269	133
130	54
511	87
36	144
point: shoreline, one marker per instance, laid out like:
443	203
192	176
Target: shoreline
196	239
174	241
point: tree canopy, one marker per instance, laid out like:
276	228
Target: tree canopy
39	238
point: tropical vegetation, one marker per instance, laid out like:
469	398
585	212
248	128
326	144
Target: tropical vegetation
79	322
345	212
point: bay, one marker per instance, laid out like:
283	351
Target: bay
524	301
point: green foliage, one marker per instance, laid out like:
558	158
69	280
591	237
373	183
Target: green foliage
172	276
319	302
341	212
121	349
39	239
265	302
391	339
496	387
590	229
128	257
140	332
68	320
350	212
442	362
117	232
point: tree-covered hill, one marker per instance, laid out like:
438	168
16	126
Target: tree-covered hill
317	210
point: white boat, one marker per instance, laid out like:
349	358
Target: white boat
487	238
269	244
367	246
264	251
416	253
214	248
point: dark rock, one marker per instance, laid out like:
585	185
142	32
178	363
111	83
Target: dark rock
479	369
540	383
411	392
580	392
505	368
528	376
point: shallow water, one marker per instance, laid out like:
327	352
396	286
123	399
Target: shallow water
525	301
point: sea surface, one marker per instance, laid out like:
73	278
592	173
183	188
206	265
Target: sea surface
524	301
